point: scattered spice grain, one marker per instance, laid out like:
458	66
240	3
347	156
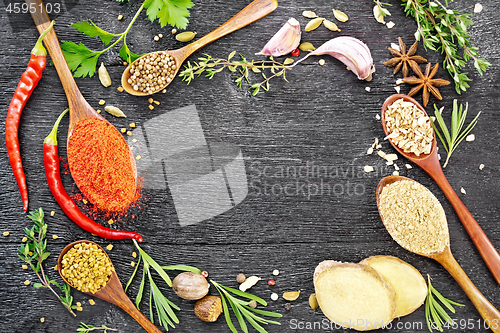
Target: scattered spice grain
91	302
132	263
368	168
25	239
102	102
86	267
134	254
52	213
240	278
274	296
414	217
6	233
132	125
481	166
120	89
27	283
409	128
470	138
42	320
463	190
276	272
109	247
25	266
120	17
478	8
288	306
55	237
253	304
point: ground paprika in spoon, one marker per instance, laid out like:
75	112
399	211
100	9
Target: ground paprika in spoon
101	165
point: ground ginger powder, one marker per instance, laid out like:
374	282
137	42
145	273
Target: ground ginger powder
414	217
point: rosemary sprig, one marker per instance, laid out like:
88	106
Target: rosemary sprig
445	30
435	314
452	137
34	253
210	66
164	307
85	328
242	310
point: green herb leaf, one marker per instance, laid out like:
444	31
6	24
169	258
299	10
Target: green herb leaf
37	285
128	55
435	315
134	273
173	12
81	60
184	268
92	30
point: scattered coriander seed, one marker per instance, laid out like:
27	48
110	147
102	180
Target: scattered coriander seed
150	100
91	302
478	8
138	157
408	166
102	102
6	233
25	239
134	254
481	166
55	237
160	35
240	278
276	272
109	247
274	296
174	31
252	304
52	213
27	283
131	125
132	263
123	130
120	17
395	173
164	91
271	283
204	274
120	89
369	151
368	168
288	306
368	89
151	107
390	24
129	133
156	38
377	116
42	320
125	63
24	266
156	102
321	62
110	221
463	190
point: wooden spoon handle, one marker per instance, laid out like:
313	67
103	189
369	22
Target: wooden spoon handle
483	244
489	313
251	13
76	101
127	305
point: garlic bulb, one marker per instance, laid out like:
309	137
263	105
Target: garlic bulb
352	52
284	41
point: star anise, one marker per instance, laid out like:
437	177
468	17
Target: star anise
425	82
404	59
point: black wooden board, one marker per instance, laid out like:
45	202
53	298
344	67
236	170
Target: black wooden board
323	116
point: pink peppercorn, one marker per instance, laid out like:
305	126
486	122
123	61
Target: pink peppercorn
204	274
271	282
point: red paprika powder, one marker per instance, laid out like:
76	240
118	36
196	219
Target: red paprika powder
101	165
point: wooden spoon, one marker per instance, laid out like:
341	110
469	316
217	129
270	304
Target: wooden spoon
430	164
79	108
489	313
251	13
112	292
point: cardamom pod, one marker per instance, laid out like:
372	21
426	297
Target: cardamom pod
341	16
314	24
306	46
185	36
309	14
330	25
288	61
104	76
291	295
114	111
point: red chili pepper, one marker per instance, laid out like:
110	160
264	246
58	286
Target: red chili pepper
51	163
27	84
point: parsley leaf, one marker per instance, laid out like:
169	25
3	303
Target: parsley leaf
128	55
92	30
173	12
81	60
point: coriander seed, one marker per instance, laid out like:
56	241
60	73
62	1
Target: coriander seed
240	278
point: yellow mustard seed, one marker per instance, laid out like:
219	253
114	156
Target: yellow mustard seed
110	221
42	320
132	125
150	100
55	267
30	253
156	102
91	302
79	304
123	130
52	213
55	237
134	140
102	102
109	247
151	107
132	263
27	283
25	239
120	89
98	111
134	254
6	233
120	17
25	266
79	308
138	157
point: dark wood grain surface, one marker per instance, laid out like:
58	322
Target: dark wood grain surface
322	117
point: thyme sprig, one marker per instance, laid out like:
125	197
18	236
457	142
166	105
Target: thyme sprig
85	328
164	307
435	315
34	253
444	30
452	137
210	66
242	309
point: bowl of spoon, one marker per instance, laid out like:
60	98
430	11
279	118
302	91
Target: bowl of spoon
171	60
112	292
439	249
430	164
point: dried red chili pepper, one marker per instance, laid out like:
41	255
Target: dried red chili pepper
51	163
27	84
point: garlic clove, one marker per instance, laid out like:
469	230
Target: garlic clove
284	41
352	52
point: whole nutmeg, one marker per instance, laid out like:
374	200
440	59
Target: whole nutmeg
190	286
208	308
